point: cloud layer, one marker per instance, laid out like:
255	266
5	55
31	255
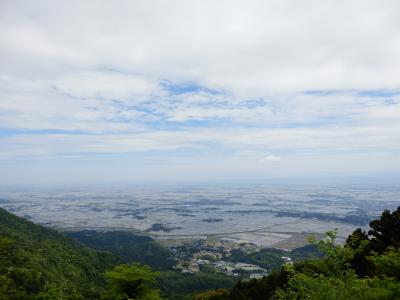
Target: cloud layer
200	79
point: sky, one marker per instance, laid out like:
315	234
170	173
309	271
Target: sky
202	91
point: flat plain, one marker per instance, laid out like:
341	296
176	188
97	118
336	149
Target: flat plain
265	215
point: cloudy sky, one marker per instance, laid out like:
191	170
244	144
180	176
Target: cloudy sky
95	91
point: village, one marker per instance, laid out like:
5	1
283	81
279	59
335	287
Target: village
216	256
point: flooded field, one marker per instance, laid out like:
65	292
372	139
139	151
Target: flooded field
259	214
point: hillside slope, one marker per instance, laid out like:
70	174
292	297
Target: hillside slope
131	247
40	263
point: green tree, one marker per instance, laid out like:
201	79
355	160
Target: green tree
338	258
385	231
387	264
383	235
348	286
133	281
338	281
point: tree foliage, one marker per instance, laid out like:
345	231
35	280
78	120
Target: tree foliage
40	263
183	286
130	246
133	281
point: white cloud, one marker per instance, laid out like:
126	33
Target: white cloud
106	85
250	47
270	158
102	70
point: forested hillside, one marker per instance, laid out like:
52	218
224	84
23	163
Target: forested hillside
129	246
42	263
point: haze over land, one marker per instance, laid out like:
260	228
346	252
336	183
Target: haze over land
280	215
133	91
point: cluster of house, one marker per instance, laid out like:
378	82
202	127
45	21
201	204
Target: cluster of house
212	257
226	267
